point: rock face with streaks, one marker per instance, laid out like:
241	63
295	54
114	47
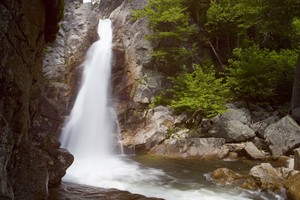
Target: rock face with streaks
25	159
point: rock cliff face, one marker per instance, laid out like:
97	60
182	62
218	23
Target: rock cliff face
135	80
29	160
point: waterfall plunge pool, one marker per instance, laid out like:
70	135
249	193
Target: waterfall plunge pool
170	179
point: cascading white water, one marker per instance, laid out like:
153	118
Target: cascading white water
90	131
89	135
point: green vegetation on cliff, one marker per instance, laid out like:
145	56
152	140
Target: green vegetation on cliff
199	90
253	44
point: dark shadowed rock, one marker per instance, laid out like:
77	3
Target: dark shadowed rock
79	192
200	148
62	159
205	125
282	136
25	27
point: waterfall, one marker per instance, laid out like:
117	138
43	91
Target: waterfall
91	133
91	129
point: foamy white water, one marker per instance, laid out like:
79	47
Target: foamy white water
90	135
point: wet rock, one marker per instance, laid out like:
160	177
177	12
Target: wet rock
264	177
282	136
292	187
225	176
200	148
79	192
61	160
252	152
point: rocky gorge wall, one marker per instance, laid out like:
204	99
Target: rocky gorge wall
255	133
30	160
134	79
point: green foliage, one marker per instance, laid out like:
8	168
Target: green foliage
170	26
197	90
256	74
252	37
167	18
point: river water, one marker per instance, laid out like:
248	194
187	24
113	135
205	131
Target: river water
91	135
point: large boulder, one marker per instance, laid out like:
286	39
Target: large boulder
282	136
153	130
265	177
200	148
61	160
233	125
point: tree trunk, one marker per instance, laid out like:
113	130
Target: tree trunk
295	101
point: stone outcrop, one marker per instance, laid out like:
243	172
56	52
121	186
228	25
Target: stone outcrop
153	130
233	125
199	148
264	176
62	65
135	80
282	136
25	161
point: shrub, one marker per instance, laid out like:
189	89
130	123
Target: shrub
258	74
195	91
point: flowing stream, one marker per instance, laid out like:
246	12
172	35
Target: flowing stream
91	135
